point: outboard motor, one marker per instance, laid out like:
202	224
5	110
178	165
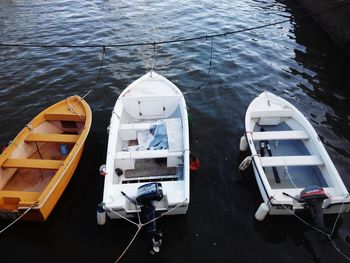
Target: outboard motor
313	196
146	195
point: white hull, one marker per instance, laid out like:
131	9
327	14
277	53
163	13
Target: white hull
145	102
297	158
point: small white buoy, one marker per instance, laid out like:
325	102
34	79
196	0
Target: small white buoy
262	212
103	170
101	215
243	145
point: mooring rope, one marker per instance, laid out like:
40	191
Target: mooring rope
175	40
71	107
141	225
18	218
247	161
329	236
98	75
211	55
235	67
132	240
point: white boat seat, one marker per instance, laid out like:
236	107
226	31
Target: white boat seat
272	113
147	154
173	129
280	135
126	160
304	160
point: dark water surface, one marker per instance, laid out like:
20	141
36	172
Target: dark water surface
295	60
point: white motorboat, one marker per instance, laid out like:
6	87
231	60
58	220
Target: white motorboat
292	168
148	151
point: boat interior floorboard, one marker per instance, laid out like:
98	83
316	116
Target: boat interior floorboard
30	180
292	176
35	180
150	167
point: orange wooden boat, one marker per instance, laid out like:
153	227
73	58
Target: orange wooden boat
39	163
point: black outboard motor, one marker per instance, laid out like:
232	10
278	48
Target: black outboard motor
313	196
146	195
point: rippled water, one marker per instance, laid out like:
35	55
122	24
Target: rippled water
295	60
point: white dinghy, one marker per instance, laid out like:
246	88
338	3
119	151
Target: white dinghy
147	166
291	165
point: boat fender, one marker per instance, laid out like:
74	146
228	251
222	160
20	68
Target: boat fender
194	163
101	215
262	212
243	144
103	170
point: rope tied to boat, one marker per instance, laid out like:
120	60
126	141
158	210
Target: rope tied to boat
154	57
18	218
286	171
329	236
72	109
140	225
247	162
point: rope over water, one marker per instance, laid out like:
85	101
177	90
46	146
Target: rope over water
171	41
329	236
18	218
141	225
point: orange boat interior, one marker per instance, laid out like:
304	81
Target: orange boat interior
35	159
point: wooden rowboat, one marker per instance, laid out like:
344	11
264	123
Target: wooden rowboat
37	166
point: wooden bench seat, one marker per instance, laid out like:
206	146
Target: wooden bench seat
66	116
23	195
32	164
50	137
126	160
304	160
280	135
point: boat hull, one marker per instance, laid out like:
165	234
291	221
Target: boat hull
144	103
62	127
288	156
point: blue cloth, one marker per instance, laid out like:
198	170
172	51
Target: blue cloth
160	140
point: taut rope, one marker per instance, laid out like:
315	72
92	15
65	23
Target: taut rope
18	218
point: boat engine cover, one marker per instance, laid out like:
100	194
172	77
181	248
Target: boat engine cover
313	192
149	192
